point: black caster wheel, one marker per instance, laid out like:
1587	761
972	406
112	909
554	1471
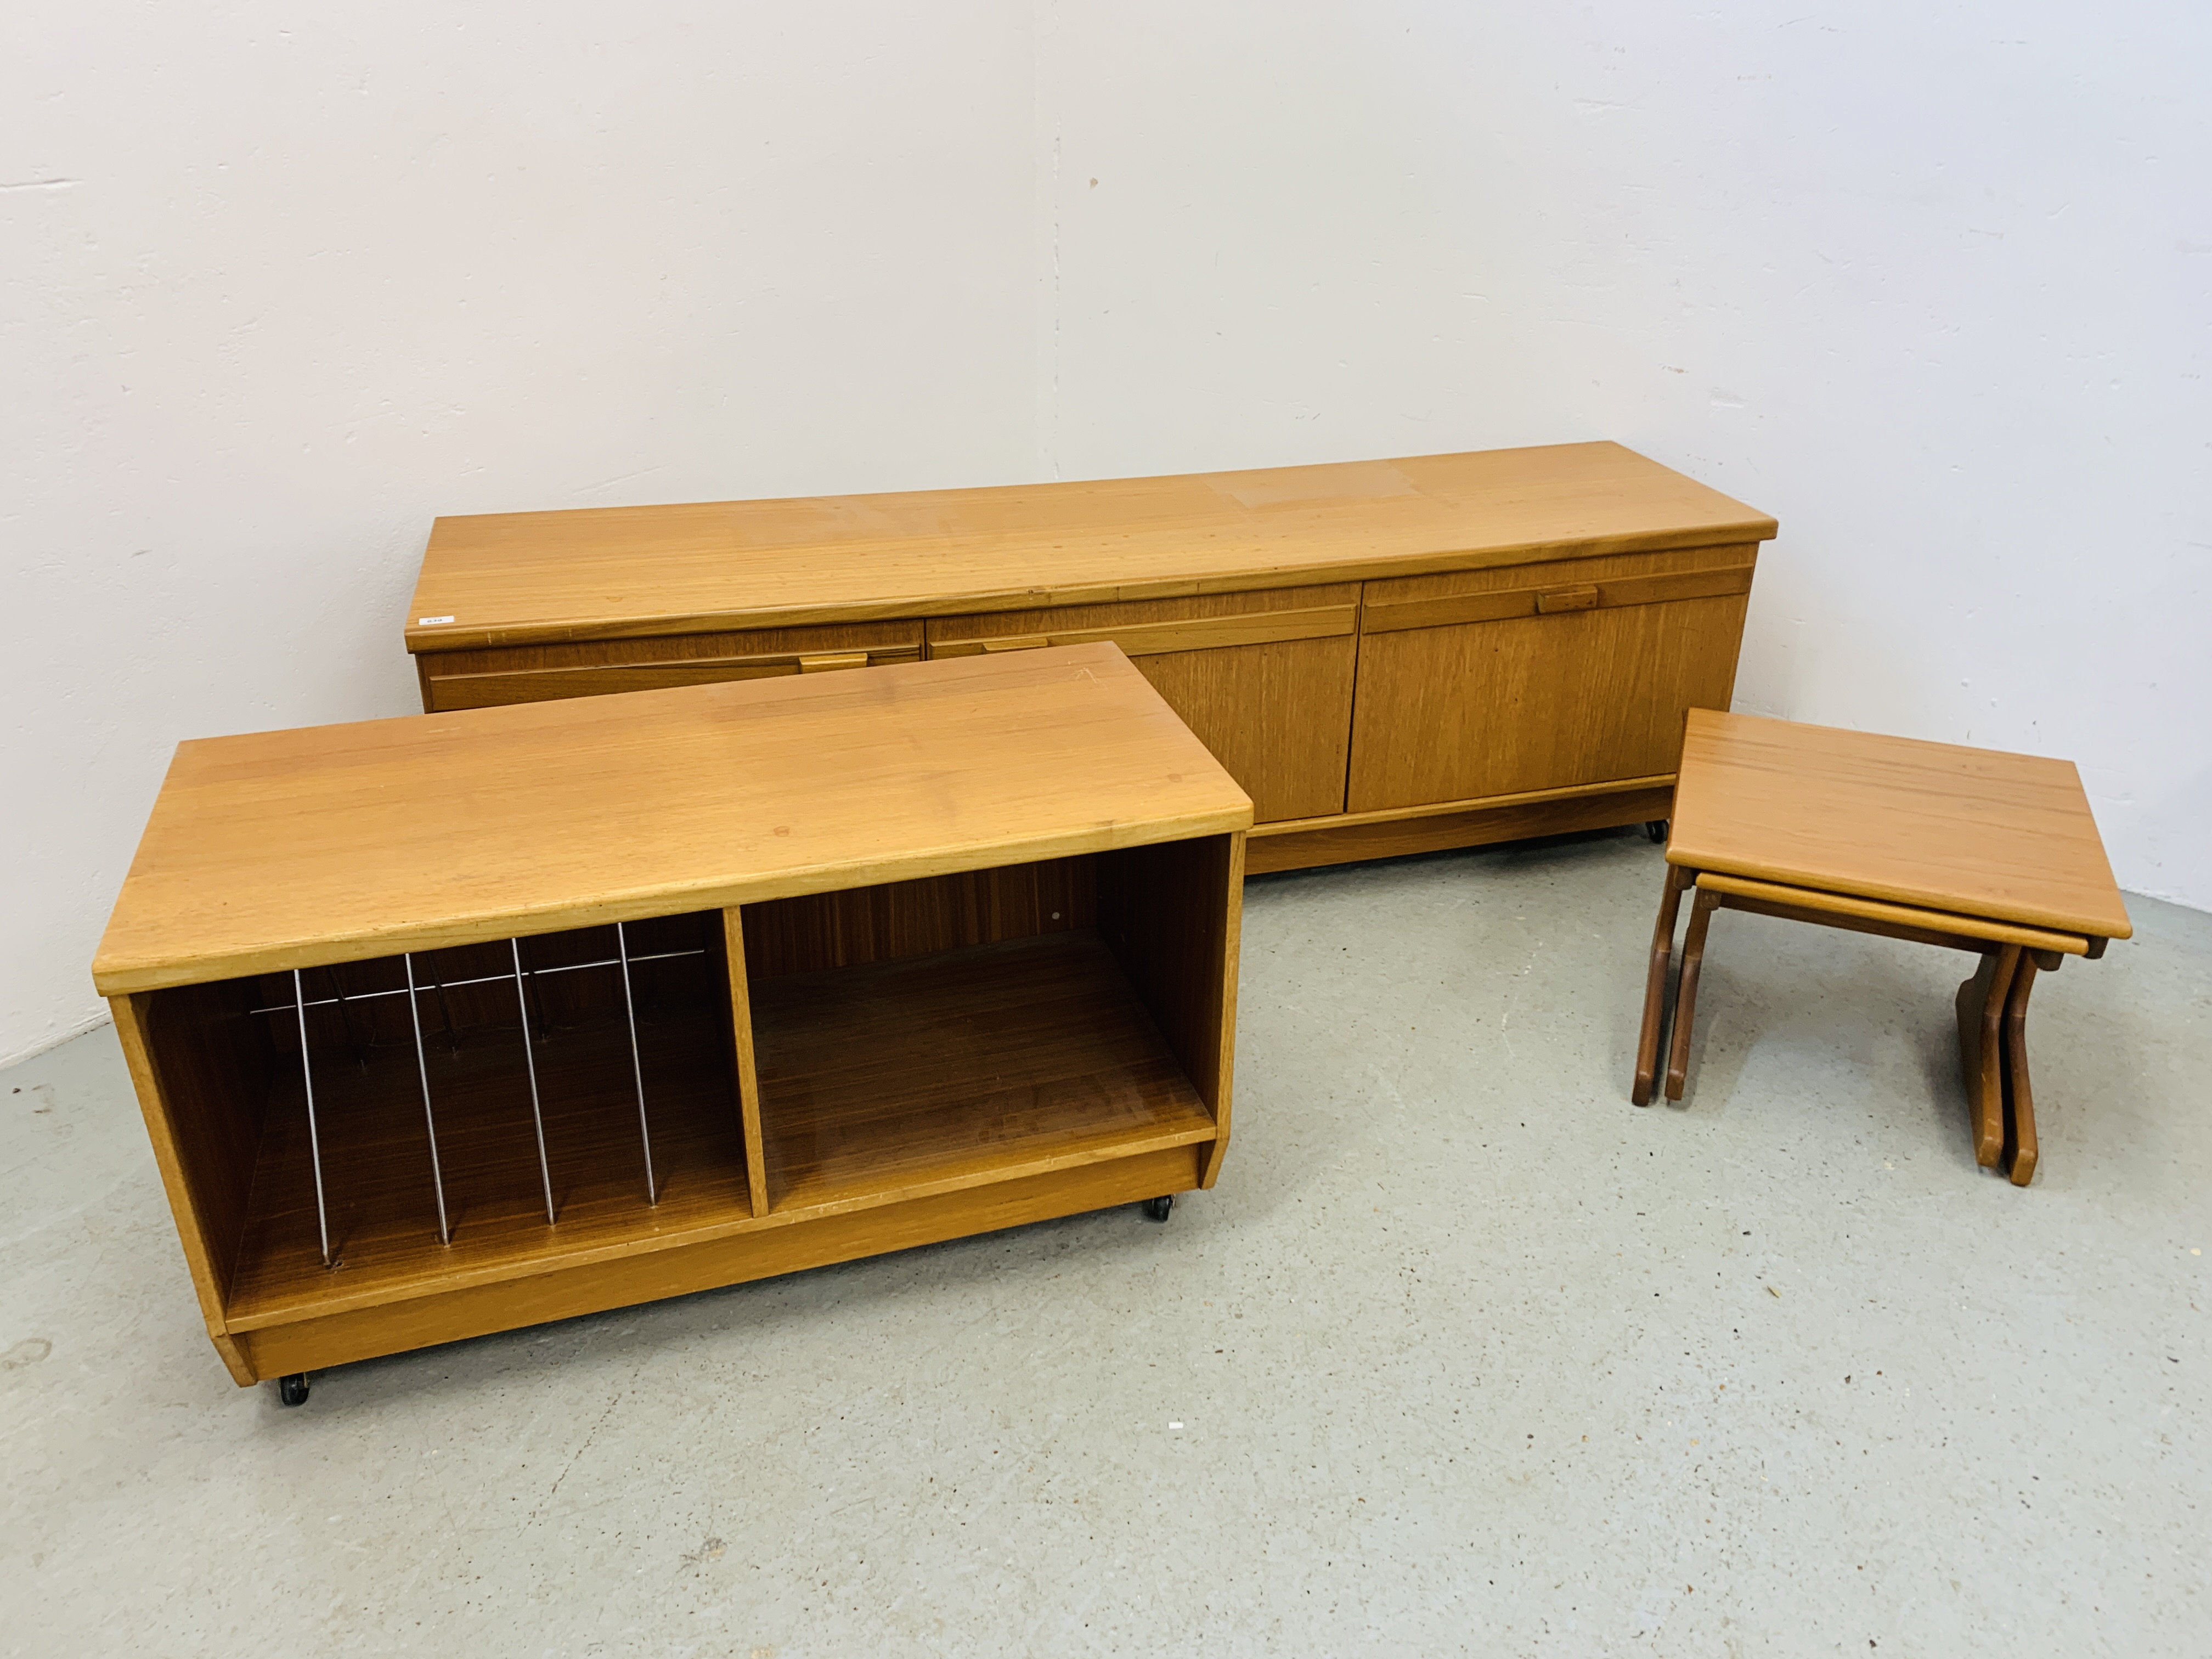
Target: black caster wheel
293	1389
1656	829
1156	1209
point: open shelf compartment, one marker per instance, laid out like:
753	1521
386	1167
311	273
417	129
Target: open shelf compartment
408	1200
927	1037
933	1073
823	1076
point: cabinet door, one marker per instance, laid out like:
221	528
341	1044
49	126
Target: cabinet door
1500	682
590	668
1263	679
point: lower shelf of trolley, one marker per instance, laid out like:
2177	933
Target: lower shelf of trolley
880	1083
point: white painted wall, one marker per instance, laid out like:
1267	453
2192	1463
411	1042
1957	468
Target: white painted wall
280	285
1931	284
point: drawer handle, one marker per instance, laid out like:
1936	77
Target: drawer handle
1566	599
822	662
1146	639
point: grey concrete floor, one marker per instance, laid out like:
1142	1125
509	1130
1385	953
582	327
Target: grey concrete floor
1465	1353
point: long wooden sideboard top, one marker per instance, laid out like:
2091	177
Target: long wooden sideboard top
1390	656
617	572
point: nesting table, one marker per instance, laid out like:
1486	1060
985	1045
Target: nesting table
1967	848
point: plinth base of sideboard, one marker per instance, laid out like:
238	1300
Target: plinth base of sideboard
1303	843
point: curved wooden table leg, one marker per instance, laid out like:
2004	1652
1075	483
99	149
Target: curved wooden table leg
2020	1142
1655	986
1981	1005
1685	996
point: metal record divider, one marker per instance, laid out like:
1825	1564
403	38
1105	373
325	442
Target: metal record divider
520	977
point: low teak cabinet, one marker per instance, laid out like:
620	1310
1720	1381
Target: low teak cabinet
1389	656
454	1024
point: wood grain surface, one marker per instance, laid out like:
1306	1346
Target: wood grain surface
1974	832
1893	920
2021	1145
1395	834
376	1165
860	925
717	1258
335	843
1174	915
206	1167
1980	1008
516	578
591	668
877	1084
1537	700
905	1078
1557	585
1263	679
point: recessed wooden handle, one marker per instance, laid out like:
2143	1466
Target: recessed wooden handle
824	661
1511	603
1567	598
1140	639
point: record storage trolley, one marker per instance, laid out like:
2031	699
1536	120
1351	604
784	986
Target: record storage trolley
454	1023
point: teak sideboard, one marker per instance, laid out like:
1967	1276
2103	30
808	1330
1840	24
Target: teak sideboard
1389	656
457	1023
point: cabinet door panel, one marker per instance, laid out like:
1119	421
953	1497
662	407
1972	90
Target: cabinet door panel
1546	701
1264	679
1277	717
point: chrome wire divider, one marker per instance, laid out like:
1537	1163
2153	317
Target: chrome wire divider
445	1013
636	1063
537	996
530	1060
314	1140
429	1122
520	977
487	979
345	1014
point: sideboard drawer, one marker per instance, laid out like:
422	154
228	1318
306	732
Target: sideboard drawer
1542	676
544	673
1263	678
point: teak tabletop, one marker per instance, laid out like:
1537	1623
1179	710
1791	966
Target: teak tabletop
517	578
1969	831
336	843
